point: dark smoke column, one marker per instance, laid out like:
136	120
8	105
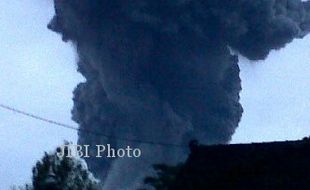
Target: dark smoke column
162	71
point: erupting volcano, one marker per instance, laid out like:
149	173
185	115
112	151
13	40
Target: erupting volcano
162	71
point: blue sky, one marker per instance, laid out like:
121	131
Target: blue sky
276	95
38	74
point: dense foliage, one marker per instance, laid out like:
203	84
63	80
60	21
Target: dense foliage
61	173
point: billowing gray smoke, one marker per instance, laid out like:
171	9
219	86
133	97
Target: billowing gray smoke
162	70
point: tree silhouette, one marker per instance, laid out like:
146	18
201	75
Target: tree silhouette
61	173
165	176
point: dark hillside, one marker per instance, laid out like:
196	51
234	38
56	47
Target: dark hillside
259	166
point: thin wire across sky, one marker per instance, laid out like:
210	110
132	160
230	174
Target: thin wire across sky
59	124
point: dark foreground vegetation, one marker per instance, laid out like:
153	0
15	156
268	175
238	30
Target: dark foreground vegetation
257	166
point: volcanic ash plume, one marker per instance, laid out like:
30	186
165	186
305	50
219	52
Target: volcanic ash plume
162	71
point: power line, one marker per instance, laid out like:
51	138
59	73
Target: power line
36	117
